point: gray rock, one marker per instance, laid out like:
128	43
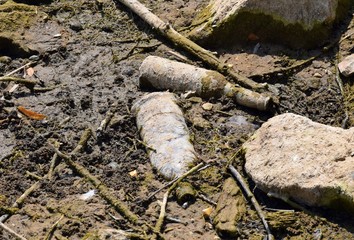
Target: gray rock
311	163
298	23
346	67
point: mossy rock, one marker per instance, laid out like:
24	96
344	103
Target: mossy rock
251	20
15	18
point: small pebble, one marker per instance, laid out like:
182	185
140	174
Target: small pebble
133	173
207	106
317	75
34	58
113	165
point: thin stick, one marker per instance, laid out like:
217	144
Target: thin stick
280	210
52	229
206	56
170	183
254	201
105	122
15	71
12	232
20	68
103	190
288	201
204	198
64	121
175	220
35	176
52	166
192	170
160	189
45	89
340	86
159	222
26	82
180	57
83	140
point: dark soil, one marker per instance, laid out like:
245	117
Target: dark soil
89	53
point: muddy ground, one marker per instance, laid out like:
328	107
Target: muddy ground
89	53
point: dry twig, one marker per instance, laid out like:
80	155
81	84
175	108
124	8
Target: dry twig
159	190
204	198
254	201
20	68
12	232
28	83
159	222
52	229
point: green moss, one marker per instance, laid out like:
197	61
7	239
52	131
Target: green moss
91	236
212	179
213	84
14	19
8	210
335	199
15	16
16	155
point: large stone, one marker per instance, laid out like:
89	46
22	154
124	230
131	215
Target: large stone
298	23
311	163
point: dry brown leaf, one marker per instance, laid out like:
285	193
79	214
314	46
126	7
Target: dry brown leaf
30	114
30	71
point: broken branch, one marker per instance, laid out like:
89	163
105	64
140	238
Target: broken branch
174	185
162	212
52	229
28	83
103	190
254	201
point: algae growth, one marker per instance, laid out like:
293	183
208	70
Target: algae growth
15	18
262	27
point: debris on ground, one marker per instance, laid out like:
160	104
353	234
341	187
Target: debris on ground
78	166
164	131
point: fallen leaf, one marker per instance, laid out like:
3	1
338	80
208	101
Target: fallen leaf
30	114
30	71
